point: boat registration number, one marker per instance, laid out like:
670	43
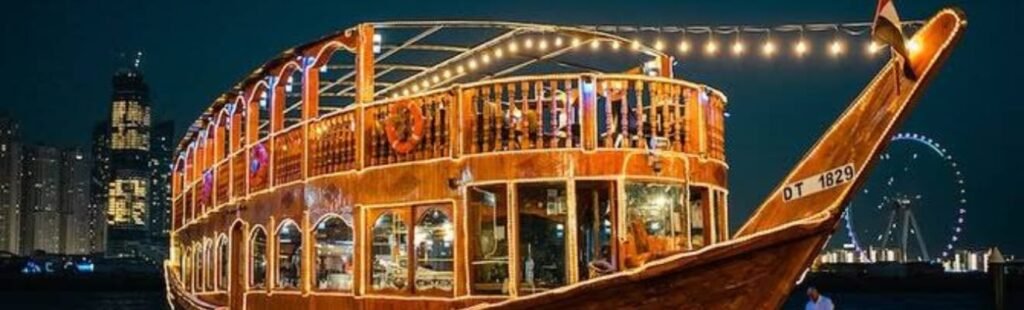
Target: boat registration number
823	181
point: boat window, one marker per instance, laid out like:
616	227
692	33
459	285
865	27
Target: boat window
654	222
542	236
289	255
209	267
390	253
259	259
434	239
594	228
698	204
487	214
334	254
223	281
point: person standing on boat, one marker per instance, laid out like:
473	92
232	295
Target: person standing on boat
817	300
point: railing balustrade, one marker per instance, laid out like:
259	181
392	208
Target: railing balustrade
531	113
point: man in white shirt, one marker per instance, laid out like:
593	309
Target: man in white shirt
817	300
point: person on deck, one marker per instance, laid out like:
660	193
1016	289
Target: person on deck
817	301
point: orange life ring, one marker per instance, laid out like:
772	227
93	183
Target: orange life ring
405	126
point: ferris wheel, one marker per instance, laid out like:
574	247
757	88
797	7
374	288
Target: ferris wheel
913	204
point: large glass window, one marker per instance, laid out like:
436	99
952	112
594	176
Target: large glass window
222	283
334	254
209	266
390	249
434	237
259	259
543	210
289	256
594	213
655	220
488	234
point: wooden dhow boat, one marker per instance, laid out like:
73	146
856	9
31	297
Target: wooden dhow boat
505	174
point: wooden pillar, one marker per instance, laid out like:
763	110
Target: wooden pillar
588	99
306	270
364	87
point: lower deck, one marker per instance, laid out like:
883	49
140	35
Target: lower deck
486	235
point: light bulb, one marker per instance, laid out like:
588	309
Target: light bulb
615	45
836	48
558	42
684	47
737	48
543	45
800	48
498	53
659	45
873	48
460	69
635	45
594	44
528	44
711	48
447	73
472	64
576	42
486	59
768	49
512	47
913	46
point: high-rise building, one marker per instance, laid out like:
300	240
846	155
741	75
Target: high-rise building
161	149
40	221
74	202
98	187
10	186
129	187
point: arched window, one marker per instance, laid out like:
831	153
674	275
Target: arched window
289	255
186	268
197	268
259	259
222	282
390	253
334	254
434	238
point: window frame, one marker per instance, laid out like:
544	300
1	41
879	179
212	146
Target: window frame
355	254
276	270
251	268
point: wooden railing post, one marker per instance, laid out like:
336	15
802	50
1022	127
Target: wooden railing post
364	87
455	122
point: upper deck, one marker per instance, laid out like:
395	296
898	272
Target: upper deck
285	125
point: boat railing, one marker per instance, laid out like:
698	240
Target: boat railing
565	111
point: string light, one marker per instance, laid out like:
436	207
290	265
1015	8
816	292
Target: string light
415	88
460	69
512	47
737	48
576	42
836	48
769	48
543	45
528	44
595	44
800	48
471	64
405	92
711	48
558	41
486	59
635	45
873	48
684	47
659	45
436	78
498	53
447	73
615	45
425	84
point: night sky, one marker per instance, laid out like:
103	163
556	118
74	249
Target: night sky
58	56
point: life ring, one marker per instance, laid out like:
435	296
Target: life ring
404	127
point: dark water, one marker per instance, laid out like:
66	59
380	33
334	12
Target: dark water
156	300
113	300
878	301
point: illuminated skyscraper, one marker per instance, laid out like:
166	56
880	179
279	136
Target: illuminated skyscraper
128	189
161	149
10	185
74	202
40	221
